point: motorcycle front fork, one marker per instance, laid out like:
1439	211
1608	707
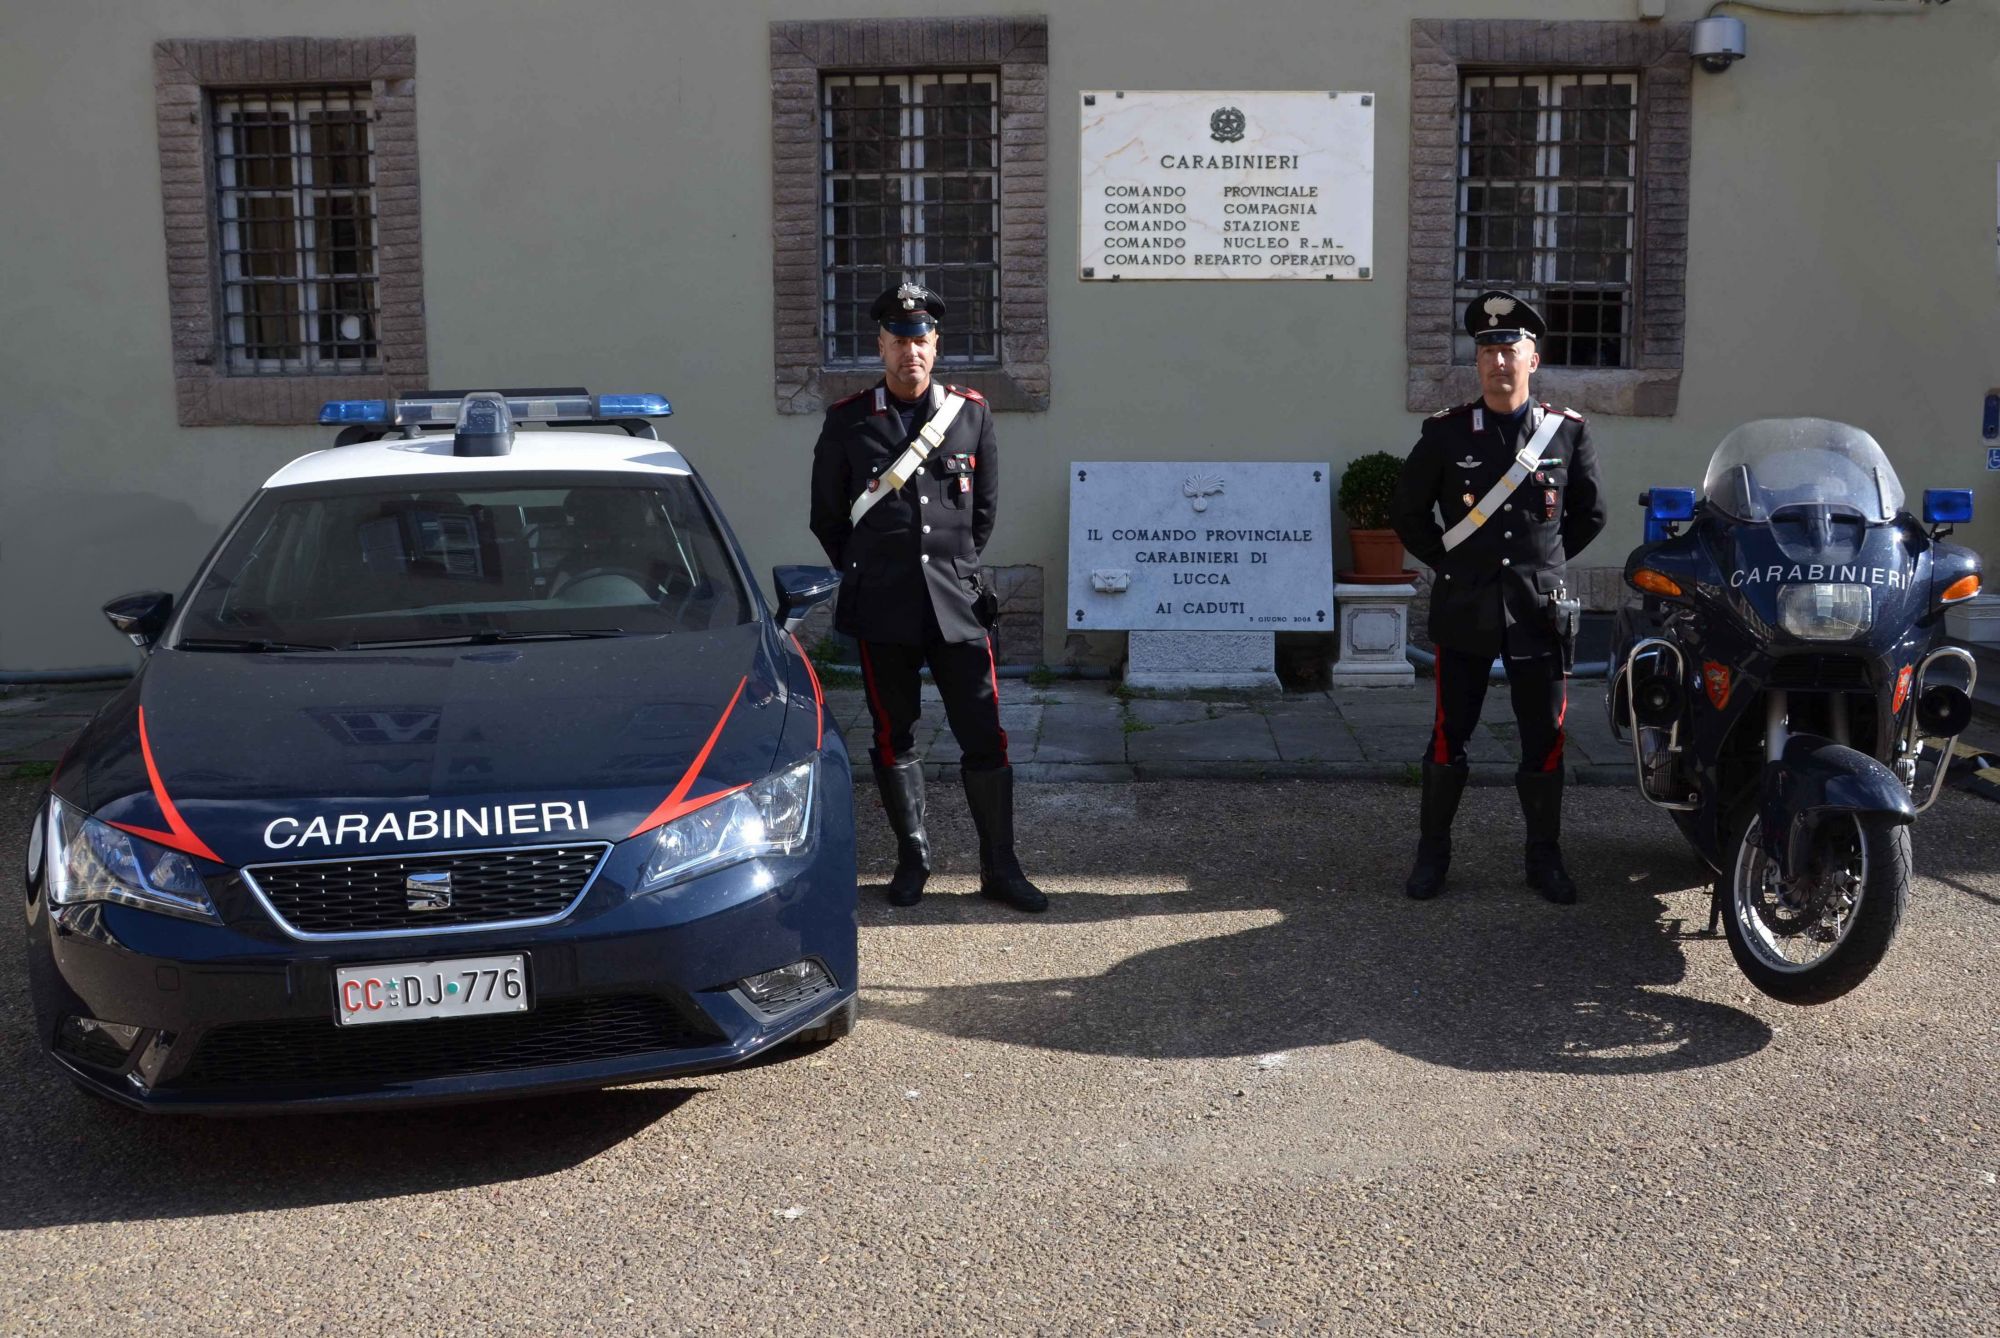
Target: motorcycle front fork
1777	732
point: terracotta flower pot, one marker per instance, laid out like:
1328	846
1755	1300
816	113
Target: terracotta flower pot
1377	552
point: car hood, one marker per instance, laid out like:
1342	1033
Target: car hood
311	755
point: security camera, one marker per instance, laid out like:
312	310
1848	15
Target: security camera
1717	43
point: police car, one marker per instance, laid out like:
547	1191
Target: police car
472	762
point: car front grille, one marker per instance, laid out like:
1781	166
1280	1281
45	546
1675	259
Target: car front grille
1820	673
318	1053
368	896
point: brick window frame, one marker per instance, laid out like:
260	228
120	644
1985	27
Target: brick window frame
801	51
1441	50
206	394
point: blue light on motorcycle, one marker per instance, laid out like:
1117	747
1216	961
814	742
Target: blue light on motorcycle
1947	506
1671	504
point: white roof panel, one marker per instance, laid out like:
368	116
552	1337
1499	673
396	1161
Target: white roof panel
430	453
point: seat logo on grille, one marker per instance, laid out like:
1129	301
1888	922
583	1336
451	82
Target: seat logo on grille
428	891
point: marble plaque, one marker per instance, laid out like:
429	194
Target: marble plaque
1222	546
1197	185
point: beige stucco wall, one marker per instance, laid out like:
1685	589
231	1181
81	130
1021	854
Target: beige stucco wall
596	196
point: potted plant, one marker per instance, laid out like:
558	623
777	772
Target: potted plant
1365	489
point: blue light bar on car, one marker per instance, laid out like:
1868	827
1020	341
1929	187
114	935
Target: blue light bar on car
1947	506
354	411
633	406
444	411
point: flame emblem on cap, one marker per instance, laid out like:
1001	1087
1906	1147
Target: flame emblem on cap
910	294
1496	307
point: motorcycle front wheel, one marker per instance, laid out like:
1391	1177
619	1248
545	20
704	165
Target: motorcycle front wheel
1817	936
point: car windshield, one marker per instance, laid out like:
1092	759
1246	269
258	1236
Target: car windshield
1780	462
431	559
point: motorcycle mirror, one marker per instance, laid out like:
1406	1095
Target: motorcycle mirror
1947	506
1672	503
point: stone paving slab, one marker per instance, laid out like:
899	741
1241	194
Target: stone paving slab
1321	736
1235	737
1082	733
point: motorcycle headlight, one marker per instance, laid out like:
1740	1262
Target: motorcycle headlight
774	816
89	860
1825	612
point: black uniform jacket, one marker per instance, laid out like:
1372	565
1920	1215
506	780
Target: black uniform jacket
922	542
1500	577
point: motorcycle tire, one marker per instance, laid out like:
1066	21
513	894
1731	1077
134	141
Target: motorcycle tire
1884	893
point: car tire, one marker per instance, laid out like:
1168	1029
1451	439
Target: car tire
838	1023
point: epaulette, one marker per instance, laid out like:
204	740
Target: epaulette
968	392
1570	414
1456	408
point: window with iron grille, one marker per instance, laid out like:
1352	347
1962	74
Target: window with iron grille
1547	206
296	216
910	189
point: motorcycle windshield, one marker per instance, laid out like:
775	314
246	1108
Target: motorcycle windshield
1773	463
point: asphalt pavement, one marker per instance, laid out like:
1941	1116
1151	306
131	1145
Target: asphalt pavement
1233	1082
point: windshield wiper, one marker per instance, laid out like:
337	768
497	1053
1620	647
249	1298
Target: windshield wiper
246	645
493	636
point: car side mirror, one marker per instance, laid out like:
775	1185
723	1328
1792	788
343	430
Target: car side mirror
142	616
1947	506
799	588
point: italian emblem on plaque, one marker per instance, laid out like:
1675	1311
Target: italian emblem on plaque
1226	125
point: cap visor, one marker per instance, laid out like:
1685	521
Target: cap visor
904	325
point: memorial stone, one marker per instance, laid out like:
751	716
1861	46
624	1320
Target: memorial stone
1202	562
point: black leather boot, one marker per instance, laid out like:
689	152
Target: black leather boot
1443	785
990	795
902	787
1541	804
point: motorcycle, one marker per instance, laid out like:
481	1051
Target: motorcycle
1778	682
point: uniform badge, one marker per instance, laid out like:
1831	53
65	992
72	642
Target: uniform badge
873	484
1549	501
964	483
1468	463
1469	500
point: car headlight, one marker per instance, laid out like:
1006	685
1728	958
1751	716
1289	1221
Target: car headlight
89	860
771	817
1825	612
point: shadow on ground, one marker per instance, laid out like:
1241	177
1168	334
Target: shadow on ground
1488	978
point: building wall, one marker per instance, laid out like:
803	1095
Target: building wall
597	204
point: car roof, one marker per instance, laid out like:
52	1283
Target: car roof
534	452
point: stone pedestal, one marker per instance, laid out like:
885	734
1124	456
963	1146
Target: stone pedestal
1185	661
1374	629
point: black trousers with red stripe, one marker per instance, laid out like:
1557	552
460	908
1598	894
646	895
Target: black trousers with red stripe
967	680
1541	698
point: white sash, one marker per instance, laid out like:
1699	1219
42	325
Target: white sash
1526	460
911	460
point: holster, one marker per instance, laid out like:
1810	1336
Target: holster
986	607
1568	616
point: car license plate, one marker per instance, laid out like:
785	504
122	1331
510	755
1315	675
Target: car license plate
409	991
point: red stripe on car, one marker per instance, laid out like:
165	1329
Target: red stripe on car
677	803
178	836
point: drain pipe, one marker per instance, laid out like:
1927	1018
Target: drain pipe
1498	672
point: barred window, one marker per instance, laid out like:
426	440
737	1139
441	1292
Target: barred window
910	189
1547	206
296	231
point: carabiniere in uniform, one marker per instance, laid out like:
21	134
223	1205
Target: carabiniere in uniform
1495	498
